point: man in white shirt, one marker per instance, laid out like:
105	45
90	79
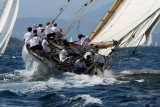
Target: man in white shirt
80	65
28	36
41	34
54	28
39	28
48	28
35	42
46	45
99	59
81	40
63	56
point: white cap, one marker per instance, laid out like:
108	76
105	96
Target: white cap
92	50
35	26
45	37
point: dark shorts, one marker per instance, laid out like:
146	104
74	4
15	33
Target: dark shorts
100	65
51	36
37	47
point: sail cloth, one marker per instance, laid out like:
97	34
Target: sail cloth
7	20
129	23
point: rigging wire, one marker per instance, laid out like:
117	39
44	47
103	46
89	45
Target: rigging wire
143	34
80	18
89	8
133	22
71	16
58	13
120	41
78	14
73	22
131	38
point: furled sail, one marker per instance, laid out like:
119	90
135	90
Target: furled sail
7	20
128	24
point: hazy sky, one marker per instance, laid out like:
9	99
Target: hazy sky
47	8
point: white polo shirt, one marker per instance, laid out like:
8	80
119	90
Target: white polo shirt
34	41
28	36
54	29
41	34
48	30
63	54
80	64
39	29
99	58
81	41
45	45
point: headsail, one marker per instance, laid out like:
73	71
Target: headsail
129	23
7	20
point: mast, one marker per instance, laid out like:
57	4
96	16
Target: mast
106	18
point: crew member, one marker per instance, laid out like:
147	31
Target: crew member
63	56
48	28
35	42
28	36
46	45
39	28
54	28
81	39
99	59
80	65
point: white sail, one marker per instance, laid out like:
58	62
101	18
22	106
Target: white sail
7	20
133	17
149	43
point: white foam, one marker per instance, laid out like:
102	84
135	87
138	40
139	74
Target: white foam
90	100
142	80
66	80
70	81
141	71
13	57
87	100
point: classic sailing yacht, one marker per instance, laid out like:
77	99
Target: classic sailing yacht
7	20
130	22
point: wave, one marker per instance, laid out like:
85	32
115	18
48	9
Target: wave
82	100
25	81
139	75
70	80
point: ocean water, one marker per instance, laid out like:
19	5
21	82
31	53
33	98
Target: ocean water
133	82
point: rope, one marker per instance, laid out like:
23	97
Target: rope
131	38
59	12
71	16
78	14
132	23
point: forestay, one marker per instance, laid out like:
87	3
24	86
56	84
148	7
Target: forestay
129	23
7	20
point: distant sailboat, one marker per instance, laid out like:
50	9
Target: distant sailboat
130	22
7	20
156	44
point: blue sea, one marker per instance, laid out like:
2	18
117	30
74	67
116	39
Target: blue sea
132	82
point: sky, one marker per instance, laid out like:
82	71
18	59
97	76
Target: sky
47	8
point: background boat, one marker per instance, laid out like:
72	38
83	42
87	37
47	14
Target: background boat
7	20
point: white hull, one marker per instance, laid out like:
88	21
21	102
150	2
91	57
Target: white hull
34	64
